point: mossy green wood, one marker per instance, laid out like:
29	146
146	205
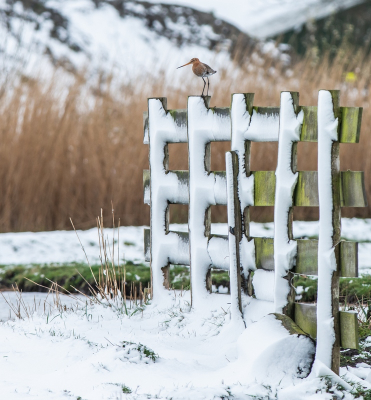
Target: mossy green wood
291	327
264	253
306	259
309	130
349	338
264	188
351	124
146	186
306	190
147	245
306	318
353	192
267	110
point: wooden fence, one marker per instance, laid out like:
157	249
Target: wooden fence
251	259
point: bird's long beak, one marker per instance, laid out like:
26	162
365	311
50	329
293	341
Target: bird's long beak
184	65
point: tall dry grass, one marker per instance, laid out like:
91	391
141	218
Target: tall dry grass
67	151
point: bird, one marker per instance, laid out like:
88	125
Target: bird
202	70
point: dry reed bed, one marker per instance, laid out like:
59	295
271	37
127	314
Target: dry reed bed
68	158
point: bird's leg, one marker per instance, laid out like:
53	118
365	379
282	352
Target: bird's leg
204	86
208	84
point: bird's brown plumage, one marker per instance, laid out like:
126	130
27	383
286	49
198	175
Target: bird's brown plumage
201	70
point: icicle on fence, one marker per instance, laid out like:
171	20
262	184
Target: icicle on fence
260	268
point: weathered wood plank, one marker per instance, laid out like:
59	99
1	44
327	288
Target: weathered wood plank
147	245
264	188
306	318
267	110
349	338
264	253
146	186
348	259
307	258
309	131
306	190
353	192
351	119
350	128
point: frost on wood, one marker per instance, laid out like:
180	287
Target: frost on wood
286	178
327	265
205	189
166	187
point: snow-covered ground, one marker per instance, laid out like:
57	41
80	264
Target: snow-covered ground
95	352
83	350
64	247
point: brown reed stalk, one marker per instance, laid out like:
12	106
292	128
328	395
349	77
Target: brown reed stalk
60	158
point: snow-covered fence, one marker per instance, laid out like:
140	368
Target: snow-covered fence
260	268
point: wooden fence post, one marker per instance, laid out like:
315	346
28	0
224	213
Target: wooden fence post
234	232
206	188
241	112
285	248
328	327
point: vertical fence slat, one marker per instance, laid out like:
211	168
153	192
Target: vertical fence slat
241	112
234	232
205	188
285	247
328	332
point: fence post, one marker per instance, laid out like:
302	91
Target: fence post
206	188
328	327
241	113
234	232
285	248
162	188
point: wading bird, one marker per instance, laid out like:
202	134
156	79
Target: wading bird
202	70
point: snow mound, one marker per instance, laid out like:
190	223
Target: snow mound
273	353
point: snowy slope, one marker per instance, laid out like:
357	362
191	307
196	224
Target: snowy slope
130	38
266	18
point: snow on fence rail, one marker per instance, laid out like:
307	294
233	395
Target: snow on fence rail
260	268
